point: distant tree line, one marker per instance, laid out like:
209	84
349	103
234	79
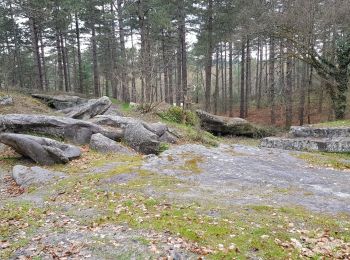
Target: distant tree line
248	54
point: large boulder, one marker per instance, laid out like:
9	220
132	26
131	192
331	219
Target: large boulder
159	129
103	144
220	125
88	110
42	150
28	176
60	101
114	121
6	101
76	131
141	139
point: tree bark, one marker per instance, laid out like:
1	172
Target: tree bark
216	92
208	64
242	101
36	52
124	80
95	62
272	81
80	67
230	78
289	86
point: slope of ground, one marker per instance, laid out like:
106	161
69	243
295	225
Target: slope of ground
24	104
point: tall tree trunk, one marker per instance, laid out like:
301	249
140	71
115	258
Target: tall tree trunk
165	69
179	68
248	80
302	94
133	73
209	50
59	62
216	92
17	51
257	69
223	100
182	33
225	78
260	74
95	62
230	78
309	85
242	101
124	80
64	63
36	53
80	67
289	86
171	87
43	60
272	81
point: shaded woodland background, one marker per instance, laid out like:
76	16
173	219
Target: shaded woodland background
273	62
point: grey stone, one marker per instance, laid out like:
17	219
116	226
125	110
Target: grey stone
114	121
234	175
74	130
6	101
160	129
42	150
335	145
88	110
221	125
27	176
60	101
168	137
142	140
157	128
105	145
319	132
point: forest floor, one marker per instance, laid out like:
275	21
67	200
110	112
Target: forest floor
235	200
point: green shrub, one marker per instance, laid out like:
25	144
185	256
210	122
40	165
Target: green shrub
178	115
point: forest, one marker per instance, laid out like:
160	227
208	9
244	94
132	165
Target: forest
174	129
285	62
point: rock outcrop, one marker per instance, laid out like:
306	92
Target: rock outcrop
76	131
103	144
60	102
309	138
28	176
88	110
141	139
42	150
161	130
220	125
6	101
319	132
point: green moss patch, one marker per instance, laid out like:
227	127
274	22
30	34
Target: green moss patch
339	161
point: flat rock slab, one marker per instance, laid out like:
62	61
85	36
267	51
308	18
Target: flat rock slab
320	132
334	145
241	175
88	110
60	102
42	150
28	176
76	131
